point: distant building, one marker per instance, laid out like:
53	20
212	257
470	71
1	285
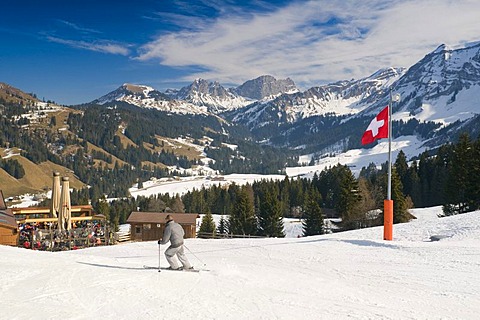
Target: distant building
8	225
148	226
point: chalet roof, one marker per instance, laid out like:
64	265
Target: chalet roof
8	219
159	217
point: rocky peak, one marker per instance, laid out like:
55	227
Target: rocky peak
265	86
202	87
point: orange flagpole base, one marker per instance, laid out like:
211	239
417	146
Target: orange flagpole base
387	220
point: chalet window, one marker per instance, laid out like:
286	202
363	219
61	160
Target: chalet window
138	230
147	226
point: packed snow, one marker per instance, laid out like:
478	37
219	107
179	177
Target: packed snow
349	275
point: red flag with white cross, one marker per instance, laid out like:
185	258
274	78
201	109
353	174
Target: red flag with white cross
377	129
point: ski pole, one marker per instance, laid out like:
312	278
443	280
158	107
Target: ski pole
204	264
159	256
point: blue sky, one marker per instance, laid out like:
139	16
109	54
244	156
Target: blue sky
76	51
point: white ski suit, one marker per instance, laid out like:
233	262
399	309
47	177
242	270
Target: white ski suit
174	233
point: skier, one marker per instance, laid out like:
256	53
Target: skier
174	233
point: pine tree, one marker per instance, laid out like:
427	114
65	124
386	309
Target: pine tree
348	199
440	162
270	216
313	223
103	208
473	187
222	226
402	168
426	173
400	210
296	193
242	221
207	227
412	184
458	177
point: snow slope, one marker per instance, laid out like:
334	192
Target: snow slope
351	275
183	185
356	159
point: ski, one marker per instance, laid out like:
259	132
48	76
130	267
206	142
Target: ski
168	269
150	267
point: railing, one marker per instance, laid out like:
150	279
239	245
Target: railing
210	235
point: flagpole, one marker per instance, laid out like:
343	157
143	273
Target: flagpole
389	188
388	203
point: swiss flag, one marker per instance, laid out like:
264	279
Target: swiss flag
378	128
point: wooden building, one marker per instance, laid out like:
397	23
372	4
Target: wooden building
8	225
148	226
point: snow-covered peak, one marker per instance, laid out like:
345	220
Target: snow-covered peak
138	88
339	98
212	95
147	97
265	86
440	48
442	87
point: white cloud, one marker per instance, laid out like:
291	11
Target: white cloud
297	41
103	46
76	27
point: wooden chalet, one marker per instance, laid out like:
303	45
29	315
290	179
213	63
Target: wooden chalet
148	226
8	225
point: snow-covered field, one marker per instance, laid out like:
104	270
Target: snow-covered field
350	275
355	159
183	185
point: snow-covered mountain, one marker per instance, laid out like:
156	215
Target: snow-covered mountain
201	96
443	87
146	97
218	99
265	87
340	98
212	95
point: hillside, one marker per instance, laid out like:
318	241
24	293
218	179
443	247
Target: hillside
349	275
14	95
11	186
38	177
